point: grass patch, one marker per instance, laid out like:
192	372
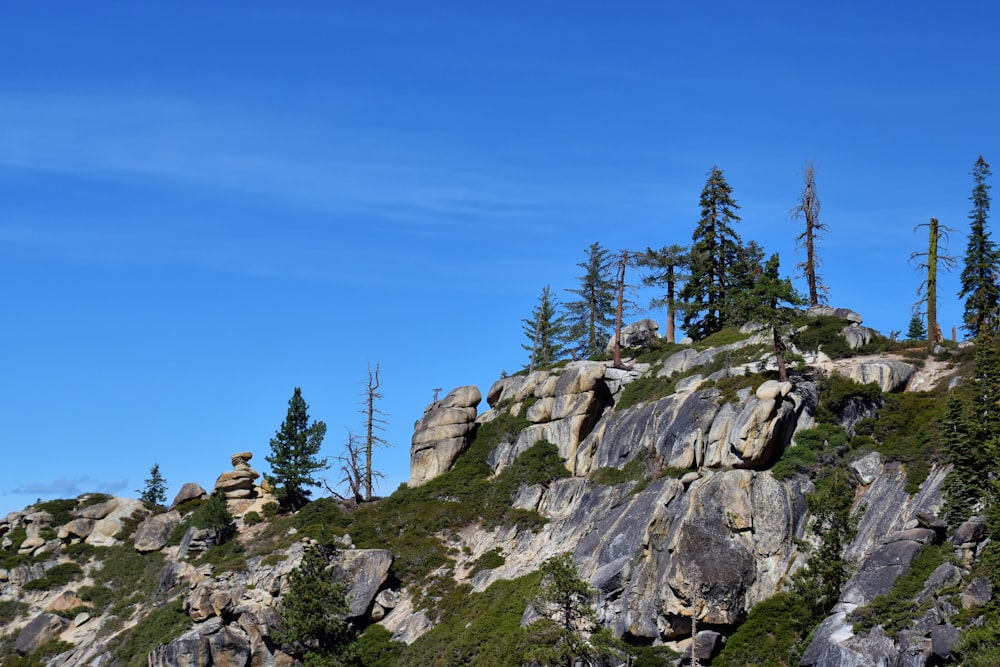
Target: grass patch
645	389
56	576
633	471
725	336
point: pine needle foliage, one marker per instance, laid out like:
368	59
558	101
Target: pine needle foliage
294	455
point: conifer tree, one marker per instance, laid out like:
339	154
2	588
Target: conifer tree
807	208
743	276
155	490
963	488
568	632
712	255
545	330
769	301
314	613
981	274
294	455
666	269
916	330
591	317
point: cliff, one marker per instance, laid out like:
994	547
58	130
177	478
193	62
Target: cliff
688	487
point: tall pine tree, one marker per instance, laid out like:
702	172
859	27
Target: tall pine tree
982	260
666	269
546	331
713	252
294	455
591	317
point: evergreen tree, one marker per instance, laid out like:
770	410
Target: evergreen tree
963	488
712	255
294	455
666	269
155	490
590	318
545	330
314	613
769	300
981	273
916	330
743	276
569	629
808	209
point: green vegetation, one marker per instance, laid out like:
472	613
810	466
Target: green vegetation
907	429
11	609
815	447
131	578
774	633
645	389
294	455
156	628
313	613
154	493
490	560
38	658
635	470
546	332
60	509
56	576
214	515
591	318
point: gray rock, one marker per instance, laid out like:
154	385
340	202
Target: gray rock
857	336
879	571
977	593
973	530
154	531
943	641
442	434
636	335
866	468
42	629
366	571
890	375
190	491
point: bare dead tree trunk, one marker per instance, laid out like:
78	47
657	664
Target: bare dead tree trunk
373	424
933	330
808	209
622	262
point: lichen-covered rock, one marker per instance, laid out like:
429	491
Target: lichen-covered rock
442	434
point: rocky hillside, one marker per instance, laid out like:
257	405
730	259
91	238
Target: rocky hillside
692	488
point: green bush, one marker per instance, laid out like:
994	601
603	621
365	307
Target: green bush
823	333
813	447
645	389
252	518
11	609
490	560
56	576
61	510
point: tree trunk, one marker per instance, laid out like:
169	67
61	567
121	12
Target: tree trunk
670	305
618	311
779	354
933	331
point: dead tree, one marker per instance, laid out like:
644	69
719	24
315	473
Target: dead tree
624	258
928	288
374	423
808	209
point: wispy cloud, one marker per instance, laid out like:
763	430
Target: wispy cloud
69	487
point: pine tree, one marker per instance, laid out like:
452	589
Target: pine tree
981	273
666	269
769	300
155	490
314	612
743	276
545	330
712	255
295	455
568	631
916	330
963	488
591	318
808	209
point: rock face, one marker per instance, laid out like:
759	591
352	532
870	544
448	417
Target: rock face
238	483
442	433
636	335
562	405
152	534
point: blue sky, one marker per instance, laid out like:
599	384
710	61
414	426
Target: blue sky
205	205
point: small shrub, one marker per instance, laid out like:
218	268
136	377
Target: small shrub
56	576
633	471
490	560
270	509
813	447
252	518
11	609
61	510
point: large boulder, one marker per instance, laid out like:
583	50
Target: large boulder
890	375
442	434
190	491
110	517
41	630
636	335
238	483
152	534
